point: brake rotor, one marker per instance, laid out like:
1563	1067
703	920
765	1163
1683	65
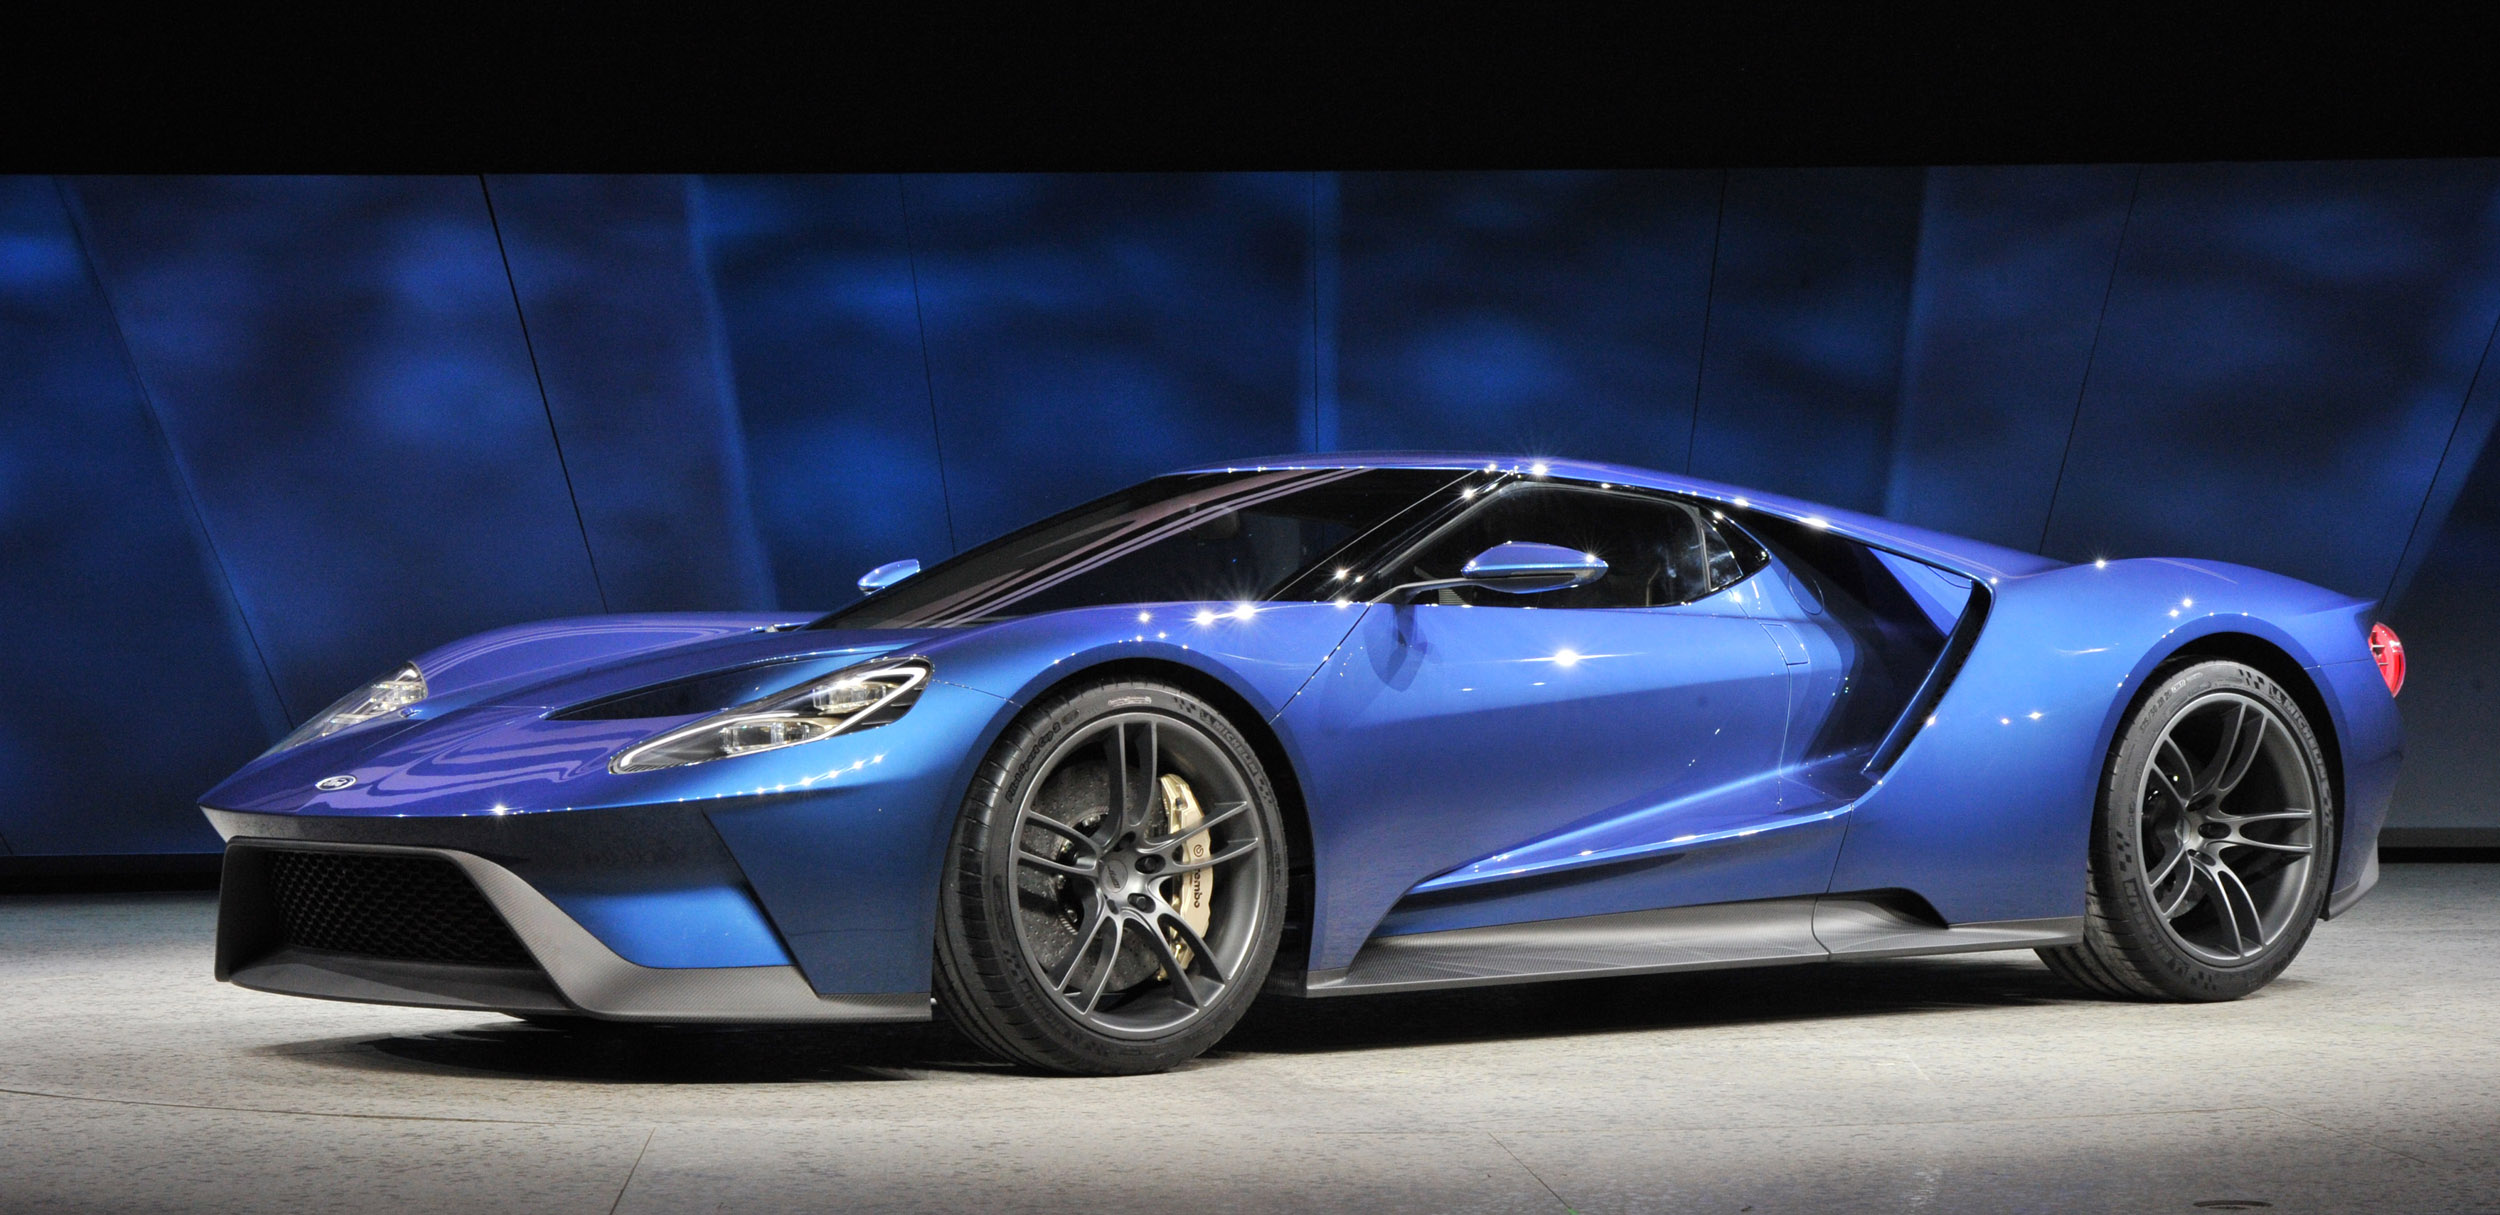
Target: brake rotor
1055	908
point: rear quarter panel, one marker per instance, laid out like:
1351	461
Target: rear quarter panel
1988	810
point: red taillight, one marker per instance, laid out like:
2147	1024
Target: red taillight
2390	654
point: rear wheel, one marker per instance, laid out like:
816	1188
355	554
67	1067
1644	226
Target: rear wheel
2211	843
1114	890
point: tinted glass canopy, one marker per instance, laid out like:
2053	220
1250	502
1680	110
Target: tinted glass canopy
1240	537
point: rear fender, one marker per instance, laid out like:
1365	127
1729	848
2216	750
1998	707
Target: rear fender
1987	811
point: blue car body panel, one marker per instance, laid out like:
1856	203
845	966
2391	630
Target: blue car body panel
850	871
1441	737
1985	814
1457	766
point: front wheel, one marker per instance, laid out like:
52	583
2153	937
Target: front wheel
1114	891
2210	848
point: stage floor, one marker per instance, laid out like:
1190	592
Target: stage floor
2367	1079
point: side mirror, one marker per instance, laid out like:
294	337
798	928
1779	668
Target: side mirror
888	574
1521	567
1518	567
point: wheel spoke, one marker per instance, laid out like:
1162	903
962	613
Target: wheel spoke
2242	841
2269	816
2233	896
1115	771
1110	963
2154	880
1029	857
2244	754
1066	831
2180	777
1169	843
2239	837
1199	952
1067	969
2209	779
1211	860
2221	903
1152	797
2242	900
1174	973
2178	904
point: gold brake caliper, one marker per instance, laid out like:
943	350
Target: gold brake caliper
1193	893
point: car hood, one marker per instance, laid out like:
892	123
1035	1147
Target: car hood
484	722
508	659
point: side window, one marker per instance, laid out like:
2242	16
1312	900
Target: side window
1729	555
1657	551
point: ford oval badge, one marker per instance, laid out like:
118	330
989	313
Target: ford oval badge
332	784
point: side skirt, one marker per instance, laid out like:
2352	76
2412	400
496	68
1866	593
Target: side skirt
1767	932
1852	927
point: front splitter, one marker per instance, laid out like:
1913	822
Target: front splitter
575	972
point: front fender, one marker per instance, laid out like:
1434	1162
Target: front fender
1264	652
848	867
849	873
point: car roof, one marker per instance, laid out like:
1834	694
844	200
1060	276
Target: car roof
1974	557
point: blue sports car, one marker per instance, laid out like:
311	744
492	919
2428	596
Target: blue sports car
1330	725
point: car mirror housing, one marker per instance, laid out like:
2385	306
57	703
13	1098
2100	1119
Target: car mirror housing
1517	567
888	574
1521	567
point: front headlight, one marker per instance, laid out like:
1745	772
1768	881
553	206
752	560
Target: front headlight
854	699
389	694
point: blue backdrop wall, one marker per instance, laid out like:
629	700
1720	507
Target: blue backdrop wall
266	437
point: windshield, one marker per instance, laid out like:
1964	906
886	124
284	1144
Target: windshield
1193	537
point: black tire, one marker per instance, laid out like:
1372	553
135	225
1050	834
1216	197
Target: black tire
1056	889
2203	882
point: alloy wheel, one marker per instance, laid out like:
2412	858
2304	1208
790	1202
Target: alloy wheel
2229	820
1139	894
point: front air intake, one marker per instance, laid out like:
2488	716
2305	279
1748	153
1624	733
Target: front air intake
386	905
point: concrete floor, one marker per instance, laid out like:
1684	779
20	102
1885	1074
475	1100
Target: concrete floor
2367	1079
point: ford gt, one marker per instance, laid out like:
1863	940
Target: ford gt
1323	726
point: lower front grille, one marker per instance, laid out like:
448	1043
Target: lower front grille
388	905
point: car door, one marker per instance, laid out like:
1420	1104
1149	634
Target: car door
1479	757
